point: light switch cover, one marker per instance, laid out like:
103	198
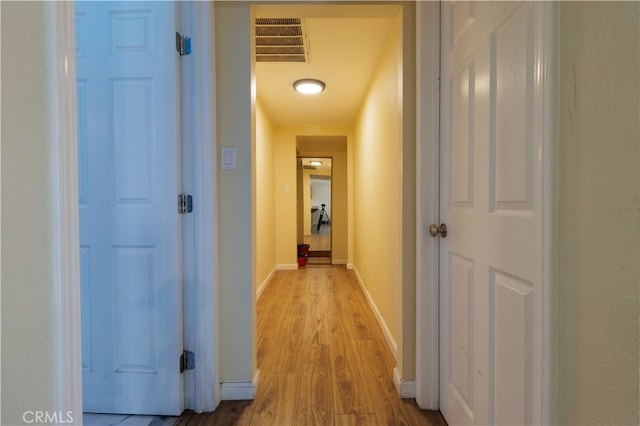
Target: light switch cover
228	158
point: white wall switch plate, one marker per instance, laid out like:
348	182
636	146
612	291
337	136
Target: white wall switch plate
228	158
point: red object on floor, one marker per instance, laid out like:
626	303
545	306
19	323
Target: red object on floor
302	261
303	250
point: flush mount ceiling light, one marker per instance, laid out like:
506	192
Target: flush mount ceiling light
308	86
316	163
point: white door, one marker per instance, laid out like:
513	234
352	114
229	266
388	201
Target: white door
129	225
491	200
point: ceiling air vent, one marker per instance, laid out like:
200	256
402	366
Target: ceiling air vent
281	40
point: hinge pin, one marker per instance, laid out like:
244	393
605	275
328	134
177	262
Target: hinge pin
185	203
187	361
183	44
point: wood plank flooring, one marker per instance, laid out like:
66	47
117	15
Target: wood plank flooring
321	240
322	357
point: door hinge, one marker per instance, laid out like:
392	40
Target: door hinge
183	44
187	361
185	203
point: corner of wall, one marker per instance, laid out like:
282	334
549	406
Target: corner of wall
240	391
405	388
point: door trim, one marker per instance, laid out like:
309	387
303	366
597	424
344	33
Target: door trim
548	71
66	216
427	293
196	18
66	305
427	202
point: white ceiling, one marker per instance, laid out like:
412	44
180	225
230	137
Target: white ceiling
345	45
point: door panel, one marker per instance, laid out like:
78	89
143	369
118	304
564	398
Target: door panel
461	158
129	225
512	138
461	342
491	201
513	331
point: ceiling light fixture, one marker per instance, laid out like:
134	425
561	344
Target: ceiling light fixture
316	163
308	86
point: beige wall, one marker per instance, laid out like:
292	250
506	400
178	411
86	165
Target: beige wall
407	356
265	198
598	223
286	199
384	191
235	99
306	202
378	189
28	263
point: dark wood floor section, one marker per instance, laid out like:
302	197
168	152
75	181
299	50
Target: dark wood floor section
322	357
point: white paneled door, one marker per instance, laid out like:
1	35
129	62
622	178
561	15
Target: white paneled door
491	200
129	225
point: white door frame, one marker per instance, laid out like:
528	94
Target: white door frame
428	187
196	18
427	202
67	357
66	305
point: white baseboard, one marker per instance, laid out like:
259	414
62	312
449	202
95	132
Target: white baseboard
350	266
391	343
338	261
405	388
265	283
236	391
287	267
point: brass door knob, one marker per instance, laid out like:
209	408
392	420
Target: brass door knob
435	230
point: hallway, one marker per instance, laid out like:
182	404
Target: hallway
322	358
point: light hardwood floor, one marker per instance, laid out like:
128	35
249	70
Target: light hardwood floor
322	357
319	241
